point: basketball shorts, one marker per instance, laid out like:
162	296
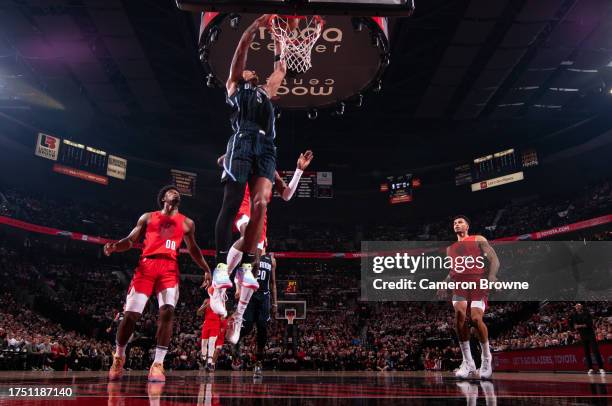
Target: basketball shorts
210	330
249	154
153	275
258	309
476	298
221	336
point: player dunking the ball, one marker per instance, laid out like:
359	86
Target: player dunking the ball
158	273
250	158
471	303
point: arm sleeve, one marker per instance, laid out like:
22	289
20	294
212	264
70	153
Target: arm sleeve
293	184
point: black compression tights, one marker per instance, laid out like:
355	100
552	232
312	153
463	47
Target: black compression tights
233	193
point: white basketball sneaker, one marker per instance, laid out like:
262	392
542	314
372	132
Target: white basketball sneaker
486	370
235	333
465	370
221	279
247	279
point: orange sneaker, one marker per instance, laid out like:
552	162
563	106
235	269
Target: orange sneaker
156	373
116	370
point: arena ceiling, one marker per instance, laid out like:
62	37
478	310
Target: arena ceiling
463	73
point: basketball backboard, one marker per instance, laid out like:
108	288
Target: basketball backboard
348	59
382	8
295	307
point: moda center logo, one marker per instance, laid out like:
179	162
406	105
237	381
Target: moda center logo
329	43
345	60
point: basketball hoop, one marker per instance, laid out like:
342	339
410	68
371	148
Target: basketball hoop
297	36
290	315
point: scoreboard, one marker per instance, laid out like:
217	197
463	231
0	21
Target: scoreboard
400	188
312	184
83	157
79	160
496	169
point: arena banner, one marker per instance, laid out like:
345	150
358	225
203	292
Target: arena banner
480	270
9	221
77	173
565	358
184	181
501	180
569	228
117	167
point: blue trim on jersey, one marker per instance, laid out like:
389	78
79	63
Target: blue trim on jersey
225	168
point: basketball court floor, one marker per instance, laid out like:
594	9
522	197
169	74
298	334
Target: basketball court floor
312	388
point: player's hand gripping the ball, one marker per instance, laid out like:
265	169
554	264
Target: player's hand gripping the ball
304	160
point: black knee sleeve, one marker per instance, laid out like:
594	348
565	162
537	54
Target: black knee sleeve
233	193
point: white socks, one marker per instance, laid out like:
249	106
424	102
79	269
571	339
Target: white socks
160	354
245	297
486	352
465	350
211	347
233	259
204	347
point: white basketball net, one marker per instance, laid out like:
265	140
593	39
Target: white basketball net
296	44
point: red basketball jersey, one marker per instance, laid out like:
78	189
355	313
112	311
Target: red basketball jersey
164	235
472	263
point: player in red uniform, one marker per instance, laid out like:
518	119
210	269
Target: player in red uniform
211	332
473	249
220	339
158	273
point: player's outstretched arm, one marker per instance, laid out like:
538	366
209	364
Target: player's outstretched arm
276	79
491	256
195	252
241	53
202	308
278	75
287	191
134	236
